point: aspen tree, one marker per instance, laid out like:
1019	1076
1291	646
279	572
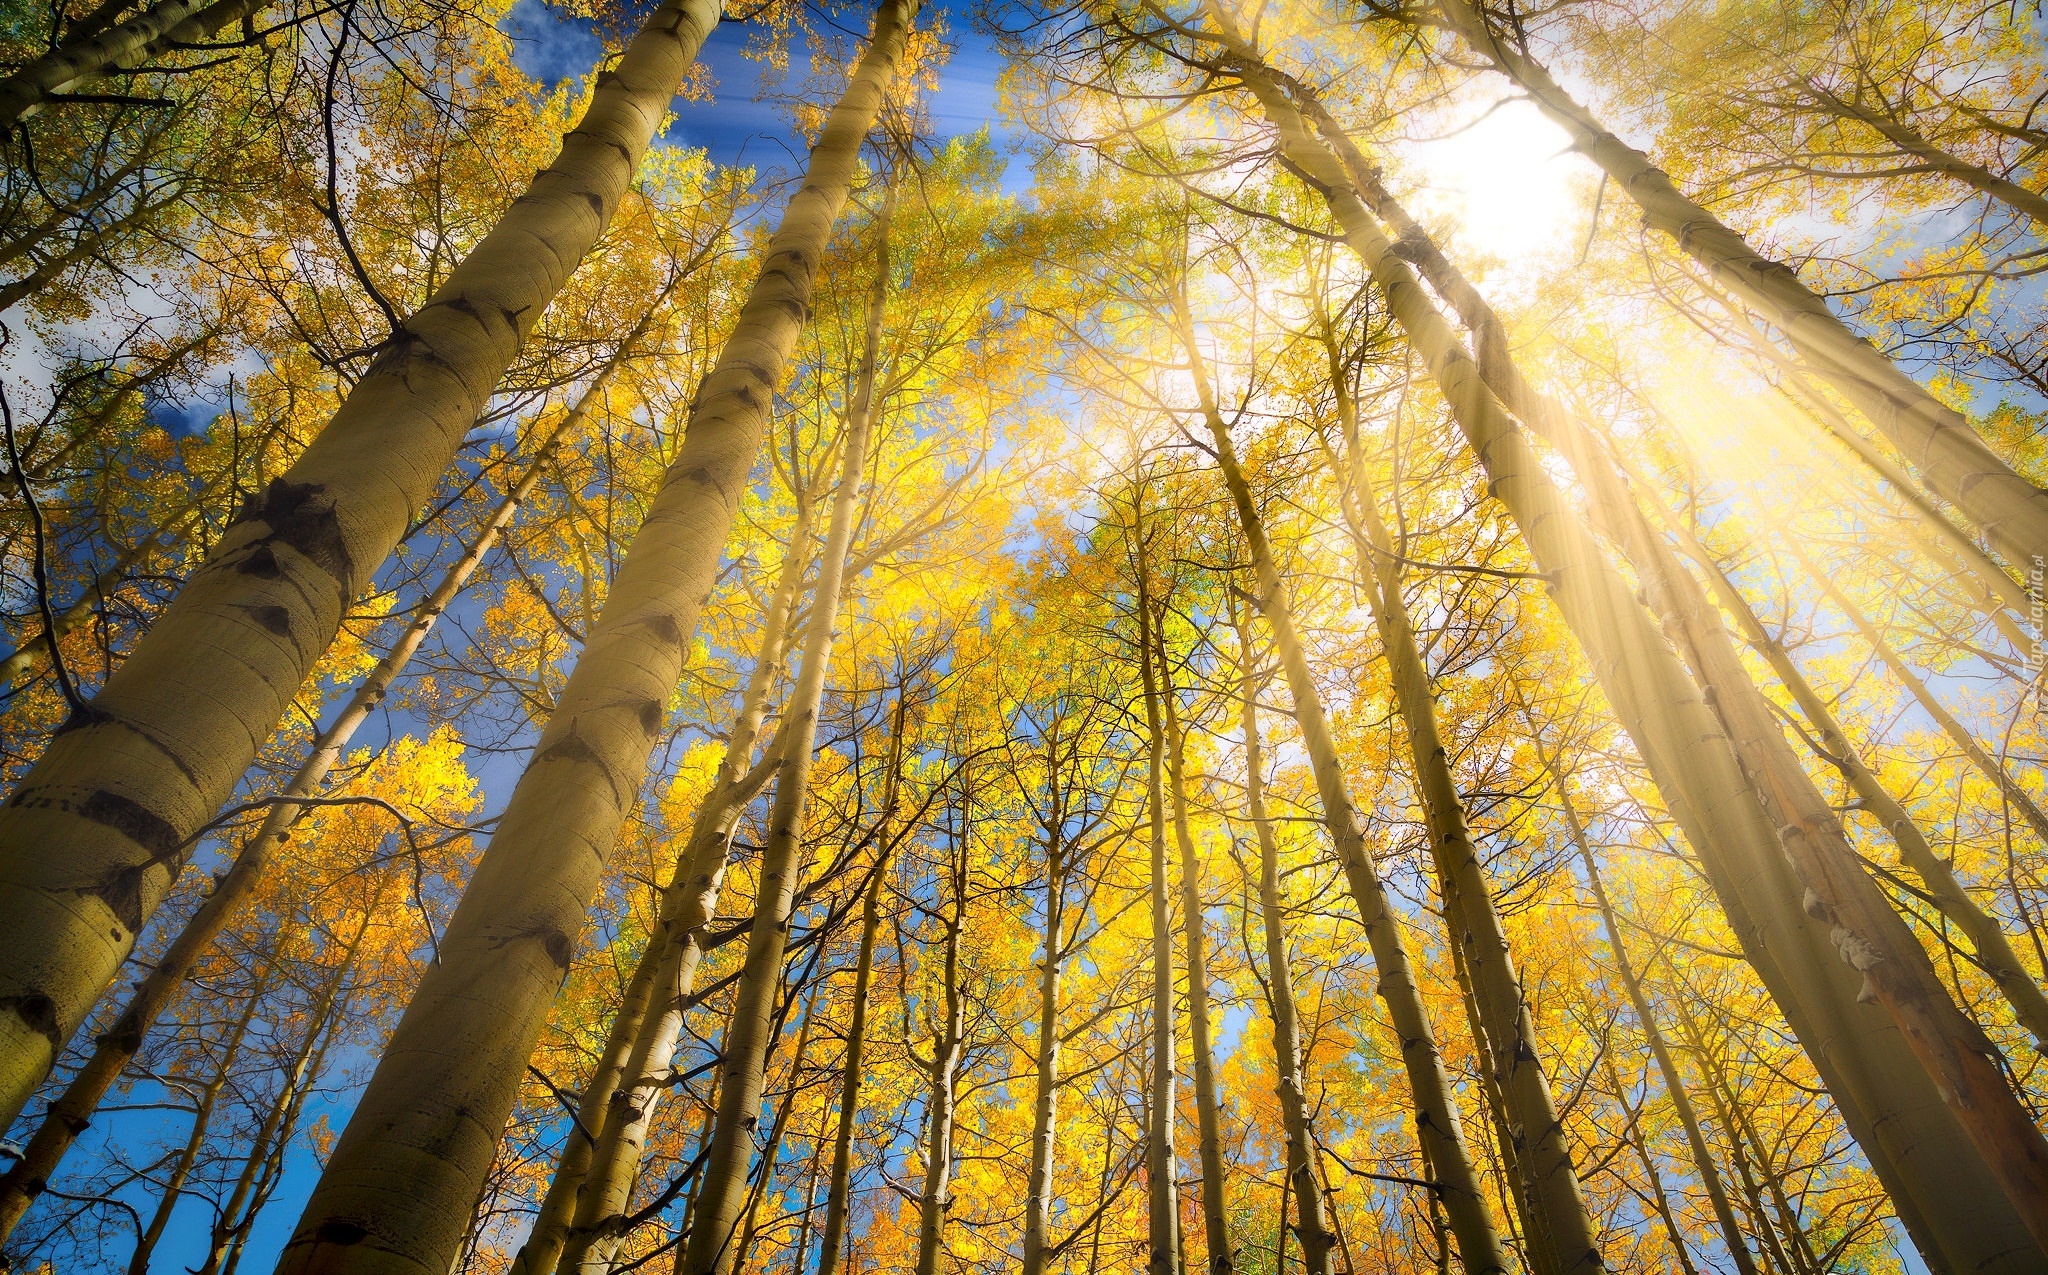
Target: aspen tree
1163	1255
949	1043
1646	1020
1993	951
209	1094
1934	437
1512	1046
1706	788
1215	1217
132	777
1045	1061
72	1110
743	1053
839	1194
594	1175
1437	1124
412	1161
1288	1082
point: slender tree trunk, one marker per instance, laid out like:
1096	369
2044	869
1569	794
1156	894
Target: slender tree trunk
1513	1047
1162	1165
70	1114
1436	1115
839	1195
231	1227
709	1248
1633	1132
773	1152
1215	1215
1689	752
1784	1237
1935	438
1038	1190
942	1097
1527	1231
202	1119
2016	796
1911	141
1993	951
1674	1083
1288	1082
593	1182
135	774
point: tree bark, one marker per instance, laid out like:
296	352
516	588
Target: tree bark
1288	1083
1209	1123
1038	1190
126	45
1162	1168
135	774
1667	1066
1513	1047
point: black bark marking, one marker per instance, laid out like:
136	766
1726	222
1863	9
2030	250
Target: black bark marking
38	1013
337	1231
596	202
126	1033
87	715
650	717
134	821
558	946
569	748
261	564
665	627
272	619
303	517
121	892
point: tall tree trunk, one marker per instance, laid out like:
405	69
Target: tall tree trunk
839	1195
1513	1047
709	1248
1632	1132
1288	1082
231	1226
1436	1115
1038	1189
1953	458
942	1094
1993	951
773	1151
1163	1254
72	1111
1209	1123
1667	1067
593	1181
1723	815
408	1169
135	774
1911	141
2009	788
202	1120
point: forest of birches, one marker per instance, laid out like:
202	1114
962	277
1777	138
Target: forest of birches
1122	681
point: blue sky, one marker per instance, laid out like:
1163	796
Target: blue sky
738	126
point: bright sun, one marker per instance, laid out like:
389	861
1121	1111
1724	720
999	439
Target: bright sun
1506	185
